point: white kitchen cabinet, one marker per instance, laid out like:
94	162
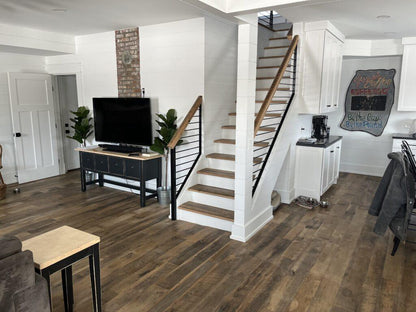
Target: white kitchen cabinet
322	62
317	167
407	90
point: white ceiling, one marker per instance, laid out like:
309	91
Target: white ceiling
92	16
355	18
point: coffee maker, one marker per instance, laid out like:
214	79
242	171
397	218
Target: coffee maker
320	131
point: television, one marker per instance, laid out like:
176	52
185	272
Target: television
123	121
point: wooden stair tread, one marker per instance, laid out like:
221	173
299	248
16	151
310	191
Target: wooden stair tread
217	173
275	102
284	29
278	89
230	157
206	210
281	47
271	78
232	127
265	67
270	57
230	141
267	114
212	190
279	38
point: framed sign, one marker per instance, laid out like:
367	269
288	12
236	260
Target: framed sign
369	99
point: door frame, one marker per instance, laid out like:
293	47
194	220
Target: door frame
80	97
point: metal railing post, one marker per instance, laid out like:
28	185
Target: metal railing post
173	183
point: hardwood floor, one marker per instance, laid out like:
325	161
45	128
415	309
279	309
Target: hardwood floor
321	260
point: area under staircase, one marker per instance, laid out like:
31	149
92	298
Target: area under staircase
207	198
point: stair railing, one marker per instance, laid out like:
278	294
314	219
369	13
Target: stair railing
184	157
262	122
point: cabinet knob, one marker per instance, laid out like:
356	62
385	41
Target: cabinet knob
332	151
328	105
337	147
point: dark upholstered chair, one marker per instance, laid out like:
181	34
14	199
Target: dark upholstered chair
21	290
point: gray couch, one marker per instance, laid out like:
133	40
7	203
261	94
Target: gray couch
21	290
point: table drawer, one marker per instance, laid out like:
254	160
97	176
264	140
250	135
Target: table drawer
87	161
133	168
116	165
101	163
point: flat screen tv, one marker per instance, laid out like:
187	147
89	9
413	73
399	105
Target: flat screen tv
123	120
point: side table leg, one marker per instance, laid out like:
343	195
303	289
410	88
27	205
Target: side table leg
46	276
68	289
142	191
83	186
95	278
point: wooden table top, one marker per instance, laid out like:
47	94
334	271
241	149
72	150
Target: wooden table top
56	245
99	150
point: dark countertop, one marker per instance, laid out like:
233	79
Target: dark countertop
331	140
405	136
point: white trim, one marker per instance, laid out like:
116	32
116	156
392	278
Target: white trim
287	196
244	233
201	219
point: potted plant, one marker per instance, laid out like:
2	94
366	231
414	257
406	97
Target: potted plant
167	130
82	125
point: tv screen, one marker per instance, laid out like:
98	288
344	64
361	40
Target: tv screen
123	120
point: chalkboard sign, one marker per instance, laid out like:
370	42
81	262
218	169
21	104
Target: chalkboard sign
369	100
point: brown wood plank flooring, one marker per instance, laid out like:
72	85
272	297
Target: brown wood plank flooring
320	260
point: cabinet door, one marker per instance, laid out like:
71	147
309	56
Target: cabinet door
325	170
327	75
407	91
116	165
337	160
337	73
331	165
101	163
87	160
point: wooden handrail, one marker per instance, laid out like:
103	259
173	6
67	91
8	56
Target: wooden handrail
290	33
179	132
275	85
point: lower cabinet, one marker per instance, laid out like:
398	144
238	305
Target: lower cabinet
317	168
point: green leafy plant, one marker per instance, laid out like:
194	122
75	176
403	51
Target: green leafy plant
167	124
82	125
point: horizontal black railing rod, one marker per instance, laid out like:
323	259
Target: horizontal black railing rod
184	169
189	136
262	133
259	149
188	149
186	143
192	129
181	177
264	140
193	122
256	171
185	156
184	163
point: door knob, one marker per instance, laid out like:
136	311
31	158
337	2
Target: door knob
18	134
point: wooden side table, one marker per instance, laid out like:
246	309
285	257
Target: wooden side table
57	250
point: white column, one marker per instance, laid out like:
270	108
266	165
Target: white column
246	97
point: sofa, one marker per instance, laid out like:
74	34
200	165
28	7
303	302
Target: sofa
21	289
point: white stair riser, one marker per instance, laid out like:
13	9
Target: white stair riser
266	83
270	62
197	218
272	106
275	52
228	134
279	34
261	95
279	43
221	164
225	148
216	181
212	200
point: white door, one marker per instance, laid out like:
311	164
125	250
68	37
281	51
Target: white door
34	126
68	101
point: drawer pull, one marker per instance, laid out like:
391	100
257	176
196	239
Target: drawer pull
328	105
332	151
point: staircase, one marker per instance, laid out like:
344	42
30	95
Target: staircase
210	201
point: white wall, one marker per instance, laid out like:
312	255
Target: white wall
220	78
12	63
362	152
172	64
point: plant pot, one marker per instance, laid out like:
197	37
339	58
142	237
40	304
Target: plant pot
163	196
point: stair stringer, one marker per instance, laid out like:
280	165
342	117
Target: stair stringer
261	211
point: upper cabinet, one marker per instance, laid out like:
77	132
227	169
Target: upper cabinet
322	60
407	91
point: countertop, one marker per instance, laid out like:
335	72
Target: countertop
405	136
331	140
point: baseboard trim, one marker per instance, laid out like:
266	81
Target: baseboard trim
286	196
377	171
244	233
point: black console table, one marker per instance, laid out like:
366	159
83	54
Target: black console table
137	168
